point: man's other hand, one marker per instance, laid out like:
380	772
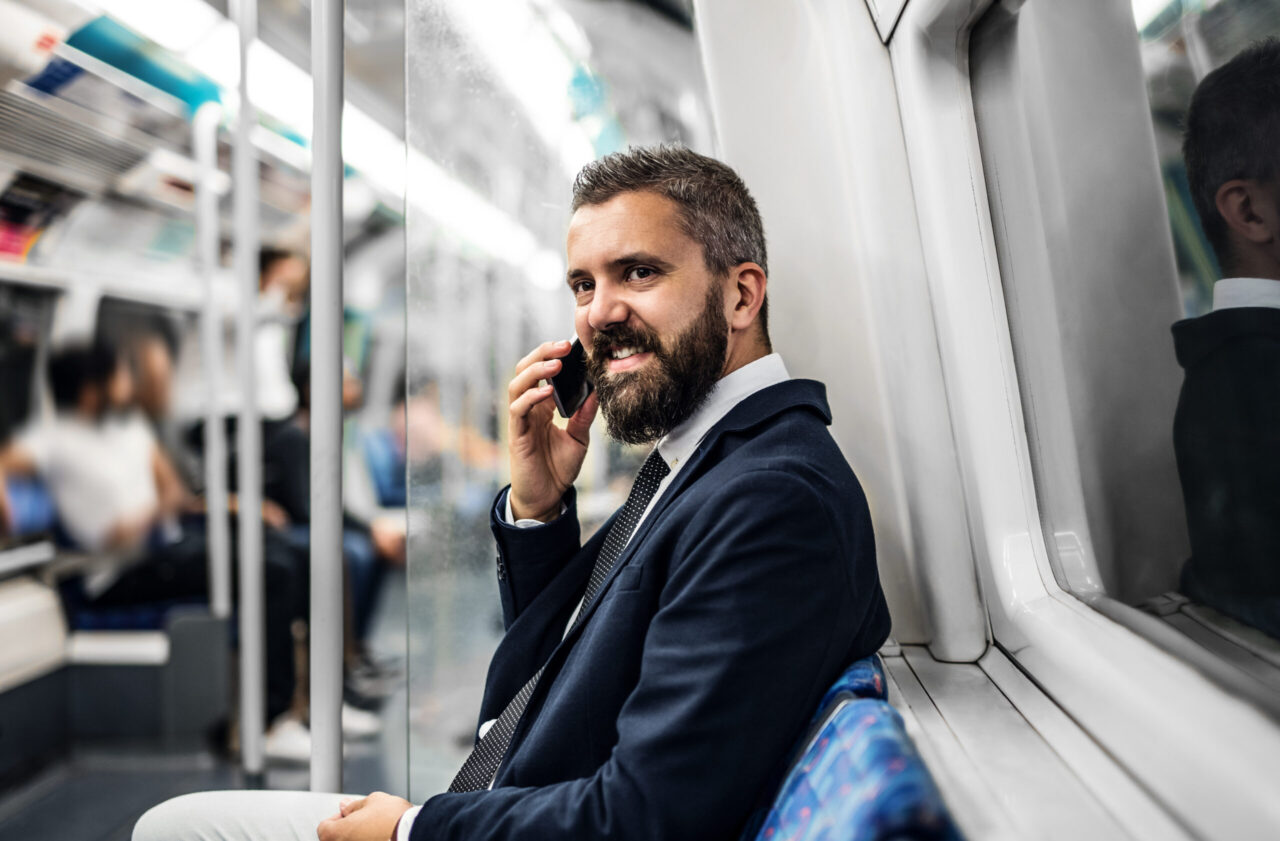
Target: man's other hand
372	818
545	458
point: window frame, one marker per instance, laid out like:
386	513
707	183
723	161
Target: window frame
1157	714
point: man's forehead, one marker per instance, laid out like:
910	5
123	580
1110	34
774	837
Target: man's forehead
627	221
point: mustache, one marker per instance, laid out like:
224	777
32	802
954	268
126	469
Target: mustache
603	342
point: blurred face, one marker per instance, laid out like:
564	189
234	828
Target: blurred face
120	388
292	277
154	387
649	313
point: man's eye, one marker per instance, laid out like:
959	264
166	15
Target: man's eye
581	287
639	273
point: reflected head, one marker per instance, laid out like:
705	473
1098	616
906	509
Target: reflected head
715	208
1232	138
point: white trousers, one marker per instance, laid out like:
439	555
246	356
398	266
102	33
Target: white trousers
239	816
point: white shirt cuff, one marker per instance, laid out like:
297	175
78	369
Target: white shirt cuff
406	823
524	523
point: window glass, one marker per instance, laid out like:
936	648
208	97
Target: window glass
505	102
1150	398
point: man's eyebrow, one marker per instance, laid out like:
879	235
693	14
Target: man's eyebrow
634	258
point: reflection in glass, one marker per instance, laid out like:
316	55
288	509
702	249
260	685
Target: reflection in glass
506	101
1181	42
1148	418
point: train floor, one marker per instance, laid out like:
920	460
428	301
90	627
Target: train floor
98	792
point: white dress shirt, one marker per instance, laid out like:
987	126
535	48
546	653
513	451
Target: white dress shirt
1234	292
676	448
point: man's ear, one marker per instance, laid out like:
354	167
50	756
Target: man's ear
1249	210
747	283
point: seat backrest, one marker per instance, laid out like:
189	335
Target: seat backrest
858	776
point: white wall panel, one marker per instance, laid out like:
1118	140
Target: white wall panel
806	111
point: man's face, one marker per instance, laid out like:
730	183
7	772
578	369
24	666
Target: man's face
650	315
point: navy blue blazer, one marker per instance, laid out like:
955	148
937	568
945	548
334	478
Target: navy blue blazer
670	709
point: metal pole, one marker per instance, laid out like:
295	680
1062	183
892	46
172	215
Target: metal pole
249	432
205	141
326	396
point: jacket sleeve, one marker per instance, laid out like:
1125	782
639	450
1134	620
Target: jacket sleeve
529	558
755	619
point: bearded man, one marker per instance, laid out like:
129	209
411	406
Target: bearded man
653	679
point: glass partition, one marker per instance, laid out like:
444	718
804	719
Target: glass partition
505	102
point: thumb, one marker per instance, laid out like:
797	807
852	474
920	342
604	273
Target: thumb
579	426
353	805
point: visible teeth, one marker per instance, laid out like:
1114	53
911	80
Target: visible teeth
623	353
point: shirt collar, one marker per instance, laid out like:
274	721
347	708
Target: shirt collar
1236	292
678	444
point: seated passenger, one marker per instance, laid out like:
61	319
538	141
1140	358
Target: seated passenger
652	680
1227	428
151	357
117	495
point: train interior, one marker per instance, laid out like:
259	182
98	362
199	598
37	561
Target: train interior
981	232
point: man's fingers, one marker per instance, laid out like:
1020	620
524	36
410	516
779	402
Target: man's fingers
521	406
325	831
352	805
528	378
544	351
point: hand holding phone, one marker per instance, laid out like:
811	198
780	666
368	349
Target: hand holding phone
571	387
545	456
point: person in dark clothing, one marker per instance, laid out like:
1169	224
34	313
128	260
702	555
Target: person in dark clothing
698	629
1227	427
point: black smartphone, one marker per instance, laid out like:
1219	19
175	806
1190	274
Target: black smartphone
571	386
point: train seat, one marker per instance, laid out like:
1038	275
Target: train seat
857	775
155	670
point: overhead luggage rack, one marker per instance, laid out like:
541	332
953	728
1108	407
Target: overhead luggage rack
55	146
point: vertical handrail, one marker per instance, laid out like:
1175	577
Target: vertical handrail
326	395
205	141
249	432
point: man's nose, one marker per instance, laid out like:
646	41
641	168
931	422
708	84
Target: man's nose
607	307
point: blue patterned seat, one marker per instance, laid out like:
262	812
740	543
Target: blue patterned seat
858	776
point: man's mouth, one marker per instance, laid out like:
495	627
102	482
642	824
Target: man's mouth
626	358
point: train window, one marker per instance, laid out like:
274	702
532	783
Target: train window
1152	472
505	102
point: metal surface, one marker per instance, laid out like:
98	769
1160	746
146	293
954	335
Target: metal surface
205	143
326	396
249	432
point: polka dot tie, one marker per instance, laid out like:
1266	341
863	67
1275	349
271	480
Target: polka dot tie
482	765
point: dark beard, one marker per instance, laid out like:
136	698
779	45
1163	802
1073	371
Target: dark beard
642	406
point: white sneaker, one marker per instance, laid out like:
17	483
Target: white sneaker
288	741
360	724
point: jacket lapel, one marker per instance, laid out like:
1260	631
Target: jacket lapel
755	409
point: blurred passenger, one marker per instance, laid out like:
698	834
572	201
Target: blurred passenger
119	498
283	281
653	679
1227	426
151	355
